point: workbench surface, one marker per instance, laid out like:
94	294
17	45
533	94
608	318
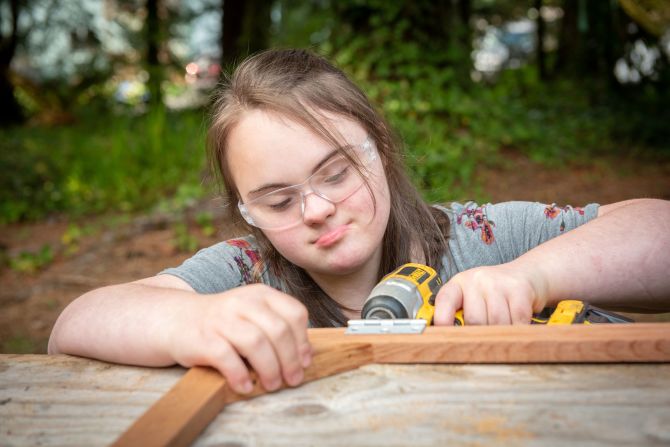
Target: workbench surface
63	400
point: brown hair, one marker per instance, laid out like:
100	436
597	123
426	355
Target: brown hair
299	84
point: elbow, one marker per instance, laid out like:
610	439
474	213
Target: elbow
70	325
57	332
53	346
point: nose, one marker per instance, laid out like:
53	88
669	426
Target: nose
316	209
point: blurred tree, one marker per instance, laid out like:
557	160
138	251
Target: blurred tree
541	61
10	112
401	39
652	15
231	31
589	40
568	38
602	46
245	29
155	37
61	59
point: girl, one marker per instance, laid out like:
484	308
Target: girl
317	175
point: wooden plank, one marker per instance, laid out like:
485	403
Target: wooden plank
187	409
604	343
181	414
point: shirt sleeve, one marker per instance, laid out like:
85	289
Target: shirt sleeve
223	266
494	234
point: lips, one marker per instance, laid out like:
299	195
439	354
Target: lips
331	237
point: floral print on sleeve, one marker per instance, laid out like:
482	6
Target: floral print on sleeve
476	219
251	266
552	211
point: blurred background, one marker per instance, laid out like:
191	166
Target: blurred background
103	111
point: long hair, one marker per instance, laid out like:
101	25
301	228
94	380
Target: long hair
299	85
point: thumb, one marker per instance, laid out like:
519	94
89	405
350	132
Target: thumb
449	299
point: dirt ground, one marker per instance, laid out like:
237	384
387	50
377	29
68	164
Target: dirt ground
114	252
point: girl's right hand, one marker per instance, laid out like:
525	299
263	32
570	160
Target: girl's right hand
256	323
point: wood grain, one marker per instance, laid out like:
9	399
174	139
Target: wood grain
64	400
604	343
181	414
178	418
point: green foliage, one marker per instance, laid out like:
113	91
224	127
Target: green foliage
450	130
19	344
102	163
73	235
31	262
412	58
183	240
450	124
186	195
205	221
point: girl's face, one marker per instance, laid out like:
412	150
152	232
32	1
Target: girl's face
266	151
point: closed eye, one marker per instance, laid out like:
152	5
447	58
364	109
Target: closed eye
280	206
337	177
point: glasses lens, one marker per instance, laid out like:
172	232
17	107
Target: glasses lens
276	209
335	181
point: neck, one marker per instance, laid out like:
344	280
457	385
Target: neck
350	290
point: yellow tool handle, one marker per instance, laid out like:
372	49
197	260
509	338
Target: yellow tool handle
427	312
568	312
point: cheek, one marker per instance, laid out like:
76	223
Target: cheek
285	242
376	210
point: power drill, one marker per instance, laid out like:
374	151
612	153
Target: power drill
409	293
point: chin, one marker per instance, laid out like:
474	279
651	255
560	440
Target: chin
342	264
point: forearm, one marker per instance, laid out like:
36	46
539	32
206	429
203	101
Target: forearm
125	323
621	259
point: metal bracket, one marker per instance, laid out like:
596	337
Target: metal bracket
397	326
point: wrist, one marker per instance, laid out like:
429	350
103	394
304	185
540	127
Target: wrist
538	279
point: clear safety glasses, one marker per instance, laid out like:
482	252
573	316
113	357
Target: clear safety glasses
335	181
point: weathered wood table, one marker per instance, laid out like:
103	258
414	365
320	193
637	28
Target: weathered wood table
62	400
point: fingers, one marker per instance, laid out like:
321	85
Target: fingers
296	315
474	305
256	324
449	299
285	359
253	344
227	360
497	310
520	313
494	295
269	329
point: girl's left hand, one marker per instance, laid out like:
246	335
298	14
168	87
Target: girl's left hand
501	294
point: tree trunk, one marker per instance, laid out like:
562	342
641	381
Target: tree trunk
568	48
154	40
10	112
257	24
602	41
541	61
233	18
246	26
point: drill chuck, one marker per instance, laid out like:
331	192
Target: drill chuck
408	292
384	307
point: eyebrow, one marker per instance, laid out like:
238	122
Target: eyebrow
272	186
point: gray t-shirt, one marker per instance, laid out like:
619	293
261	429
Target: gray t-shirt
480	235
